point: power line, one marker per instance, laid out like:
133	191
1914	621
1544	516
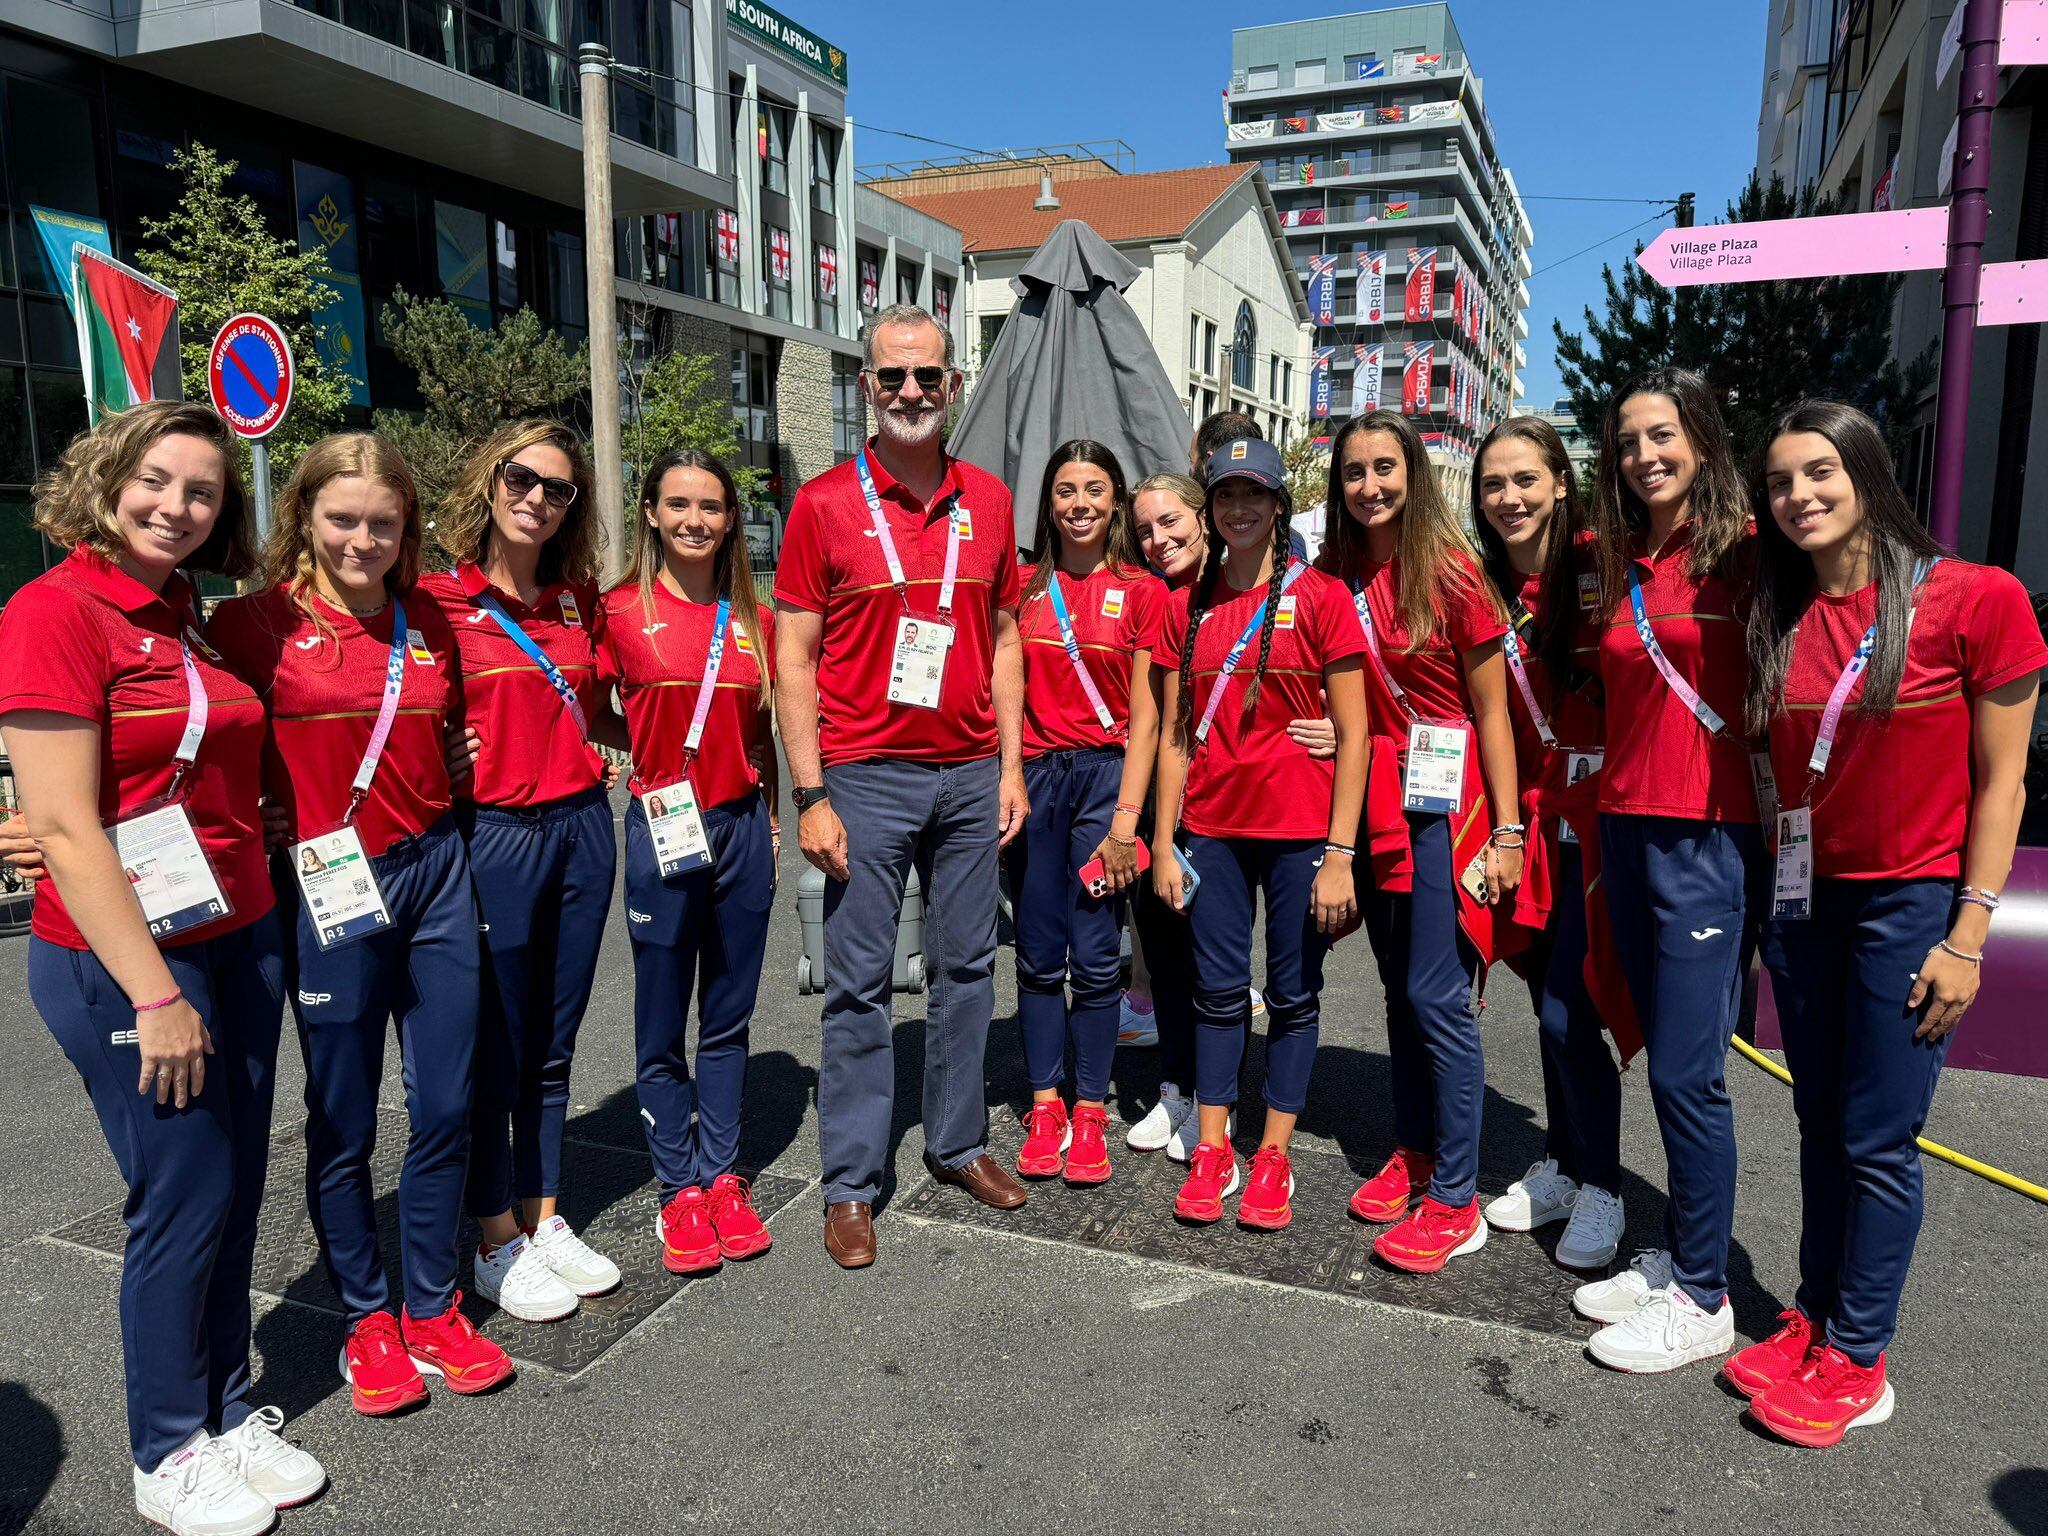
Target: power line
1608	240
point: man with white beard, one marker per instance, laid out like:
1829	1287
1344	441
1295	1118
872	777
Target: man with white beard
899	690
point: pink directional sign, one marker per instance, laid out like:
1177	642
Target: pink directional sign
1839	245
2022	32
2013	293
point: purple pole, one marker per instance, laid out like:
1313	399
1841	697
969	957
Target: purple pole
1968	214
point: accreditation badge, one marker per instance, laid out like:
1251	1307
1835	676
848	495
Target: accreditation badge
681	846
1792	889
339	888
1578	767
169	872
1435	776
917	669
1766	783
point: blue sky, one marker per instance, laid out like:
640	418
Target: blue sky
1593	98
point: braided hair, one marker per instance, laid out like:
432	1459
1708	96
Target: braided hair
1205	591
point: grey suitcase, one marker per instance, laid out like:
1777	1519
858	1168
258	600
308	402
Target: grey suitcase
810	912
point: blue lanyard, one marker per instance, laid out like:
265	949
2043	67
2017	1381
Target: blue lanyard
1684	691
1236	654
488	601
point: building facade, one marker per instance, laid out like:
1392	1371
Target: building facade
1399	211
434	146
1216	290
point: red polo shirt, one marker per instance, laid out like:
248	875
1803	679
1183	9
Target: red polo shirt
89	640
530	749
324	690
1250	778
655	655
1432	675
1575	714
1660	760
1895	801
833	565
1115	614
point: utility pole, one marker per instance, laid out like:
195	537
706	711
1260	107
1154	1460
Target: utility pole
594	72
1685	210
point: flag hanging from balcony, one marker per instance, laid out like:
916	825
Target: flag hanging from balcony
1387	114
1881	195
1322	289
1395	210
870	285
778	254
1415	377
1340	122
942	303
828	272
1294	125
1308	173
1303	218
727	225
1368	69
122	319
1319	384
1421	296
1372	287
1458	301
1365	382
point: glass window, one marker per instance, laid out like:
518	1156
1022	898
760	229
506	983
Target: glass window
848	416
1262	77
11	350
55	146
1357	66
1194	340
630	31
433	30
1309	72
547	20
1244	348
679	101
491	54
824	167
58	405
1209	347
565	284
544	75
461	261
778	124
52	336
17	462
509	259
383	19
633	114
991	332
908	277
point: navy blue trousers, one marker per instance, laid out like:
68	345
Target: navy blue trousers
1861	1085
1426	966
1581	1085
1066	937
543	878
422	974
1679	896
706	930
194	1175
1233	871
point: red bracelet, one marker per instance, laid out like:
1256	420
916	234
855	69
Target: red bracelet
162	1002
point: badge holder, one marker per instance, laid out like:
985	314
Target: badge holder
338	887
917	667
1578	767
171	876
681	845
1792	888
1434	777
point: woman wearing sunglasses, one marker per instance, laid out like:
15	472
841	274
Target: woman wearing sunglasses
524	535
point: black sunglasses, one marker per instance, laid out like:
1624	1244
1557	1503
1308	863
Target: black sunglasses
929	376
520	481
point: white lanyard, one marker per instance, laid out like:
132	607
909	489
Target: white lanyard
713	661
387	711
888	542
1073	648
1236	655
1511	647
1372	649
1680	688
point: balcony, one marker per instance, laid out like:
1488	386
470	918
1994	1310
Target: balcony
1452	66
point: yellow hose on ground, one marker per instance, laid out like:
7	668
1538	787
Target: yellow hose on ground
1949	1155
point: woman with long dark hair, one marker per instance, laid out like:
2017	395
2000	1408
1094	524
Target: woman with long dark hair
1532	539
1680	849
1088	609
1898	687
1261	815
1444	807
691	651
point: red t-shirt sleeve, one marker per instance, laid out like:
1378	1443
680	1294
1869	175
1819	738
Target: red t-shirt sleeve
54	654
243	634
1141	615
1170	634
803	578
1337	633
2000	639
601	648
1472	616
1006	590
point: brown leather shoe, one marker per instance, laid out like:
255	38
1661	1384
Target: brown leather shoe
850	1234
984	1178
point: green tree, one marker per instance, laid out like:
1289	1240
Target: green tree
216	253
472	381
1762	345
1308	469
675	400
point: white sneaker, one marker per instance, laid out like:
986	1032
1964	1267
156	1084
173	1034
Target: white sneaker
1593	1235
1188	1135
516	1279
1537	1198
282	1472
1617	1297
1161	1120
196	1491
575	1263
1136	1026
1668	1330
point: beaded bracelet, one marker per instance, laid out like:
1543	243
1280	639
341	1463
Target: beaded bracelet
1949	949
1513	828
1979	897
162	1002
1125	841
1346	849
1134	810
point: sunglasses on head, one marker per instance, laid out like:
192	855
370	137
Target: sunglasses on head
520	481
929	376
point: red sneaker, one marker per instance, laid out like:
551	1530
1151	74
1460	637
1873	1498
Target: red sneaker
381	1376
689	1241
1046	1137
450	1347
1267	1193
1769	1361
1825	1399
1212	1176
741	1233
1088	1147
1387	1195
1432	1236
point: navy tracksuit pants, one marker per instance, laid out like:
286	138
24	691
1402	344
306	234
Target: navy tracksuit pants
1679	896
1064	935
194	1175
1426	965
543	878
1581	1085
1169	964
422	973
707	929
1233	871
1861	1085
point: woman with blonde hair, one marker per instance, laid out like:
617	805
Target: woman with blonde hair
527	538
155	956
360	676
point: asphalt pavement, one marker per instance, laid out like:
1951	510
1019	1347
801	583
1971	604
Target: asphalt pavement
1083	1366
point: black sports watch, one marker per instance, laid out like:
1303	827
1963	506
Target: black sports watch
806	798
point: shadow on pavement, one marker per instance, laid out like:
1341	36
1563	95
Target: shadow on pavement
2021	1496
31	1467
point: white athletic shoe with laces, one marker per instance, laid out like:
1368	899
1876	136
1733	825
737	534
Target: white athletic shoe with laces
1617	1297
1161	1121
1537	1198
1137	1027
1187	1135
516	1279
196	1491
1668	1330
574	1262
1593	1236
281	1472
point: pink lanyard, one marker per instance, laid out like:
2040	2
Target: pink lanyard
387	711
197	708
1511	647
888	543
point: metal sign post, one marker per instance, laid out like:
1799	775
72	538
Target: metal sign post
249	375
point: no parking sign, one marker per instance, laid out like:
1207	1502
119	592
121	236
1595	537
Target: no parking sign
249	375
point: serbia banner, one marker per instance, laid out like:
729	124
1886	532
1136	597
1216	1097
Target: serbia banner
1421	284
1415	377
1365	383
1372	287
1319	384
1322	289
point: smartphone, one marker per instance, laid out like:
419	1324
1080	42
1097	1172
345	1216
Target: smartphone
1190	880
1474	878
1094	880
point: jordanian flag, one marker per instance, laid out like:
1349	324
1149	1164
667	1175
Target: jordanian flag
123	318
